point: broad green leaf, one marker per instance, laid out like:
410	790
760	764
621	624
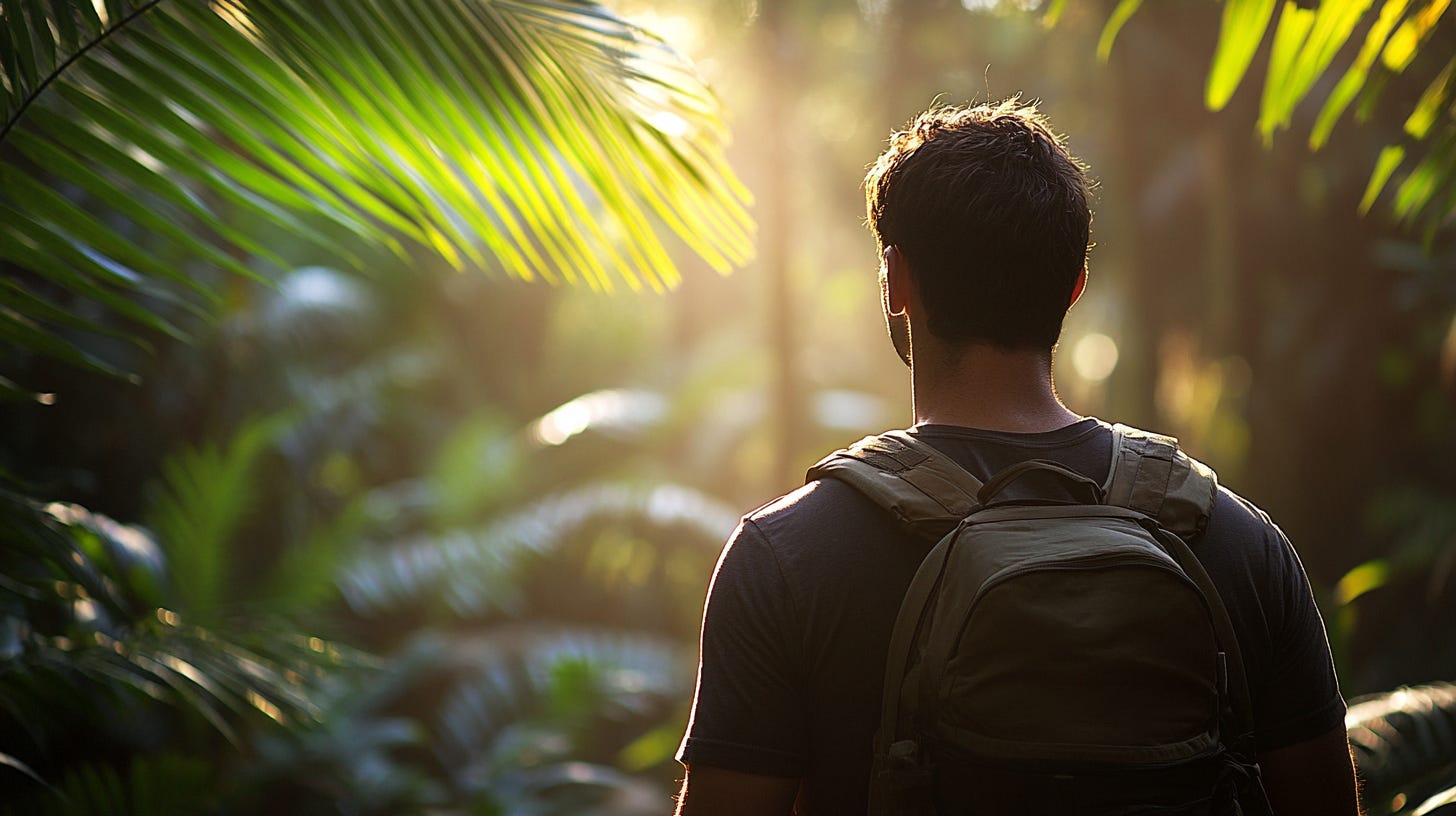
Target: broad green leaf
1369	576
1436	171
1244	24
22	301
186	689
58	161
1354	79
1419	123
1333	24
68	33
90	21
21	37
517	136
1053	12
1370	96
1120	15
54	208
225	177
1437	803
13	78
82	141
1277	105
11	762
1402	47
18	332
43	43
206	495
77	268
1390	158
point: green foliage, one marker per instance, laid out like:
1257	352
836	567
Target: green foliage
93	648
473	572
1244	22
1404	743
1307	41
1121	13
207	493
545	139
164	783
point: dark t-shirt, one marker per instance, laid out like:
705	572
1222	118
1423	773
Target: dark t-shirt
800	610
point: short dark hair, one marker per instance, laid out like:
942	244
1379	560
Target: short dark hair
990	210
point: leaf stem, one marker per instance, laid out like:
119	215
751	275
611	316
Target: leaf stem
59	69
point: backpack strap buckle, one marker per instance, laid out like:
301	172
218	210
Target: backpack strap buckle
901	782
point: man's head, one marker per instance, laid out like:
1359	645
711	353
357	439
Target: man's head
990	212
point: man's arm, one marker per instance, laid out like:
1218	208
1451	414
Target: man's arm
1313	778
746	745
709	791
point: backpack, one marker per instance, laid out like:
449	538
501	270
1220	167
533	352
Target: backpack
1060	650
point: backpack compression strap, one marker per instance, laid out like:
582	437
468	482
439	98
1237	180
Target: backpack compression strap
922	488
1150	475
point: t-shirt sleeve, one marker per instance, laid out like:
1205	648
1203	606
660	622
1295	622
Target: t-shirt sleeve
1299	696
748	714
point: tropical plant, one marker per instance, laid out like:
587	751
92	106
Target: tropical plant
1310	39
99	666
1404	742
541	139
151	149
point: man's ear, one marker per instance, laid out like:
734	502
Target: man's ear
898	283
1079	287
895	295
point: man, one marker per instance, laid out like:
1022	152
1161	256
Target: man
982	223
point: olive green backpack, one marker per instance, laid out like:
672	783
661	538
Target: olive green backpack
1060	650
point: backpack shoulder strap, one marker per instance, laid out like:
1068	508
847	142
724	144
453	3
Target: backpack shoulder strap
921	487
1151	475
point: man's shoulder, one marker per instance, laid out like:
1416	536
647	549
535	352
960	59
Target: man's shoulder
818	501
813	529
1239	530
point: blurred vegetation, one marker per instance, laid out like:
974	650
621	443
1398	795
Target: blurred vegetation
364	522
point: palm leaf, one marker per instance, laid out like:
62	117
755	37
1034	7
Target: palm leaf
539	138
79	595
1441	804
1404	743
1306	45
562	677
207	492
1244	23
1121	13
163	783
1358	72
473	571
505	711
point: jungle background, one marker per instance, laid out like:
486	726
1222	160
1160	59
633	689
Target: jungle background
370	532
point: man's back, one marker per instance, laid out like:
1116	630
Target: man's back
799	618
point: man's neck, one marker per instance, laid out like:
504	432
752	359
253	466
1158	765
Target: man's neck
990	388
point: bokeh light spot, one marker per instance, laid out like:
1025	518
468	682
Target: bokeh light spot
1094	357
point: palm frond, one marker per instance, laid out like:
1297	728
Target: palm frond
78	598
1306	44
1404	744
512	715
545	139
1441	804
613	411
473	571
162	783
207	492
555	677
